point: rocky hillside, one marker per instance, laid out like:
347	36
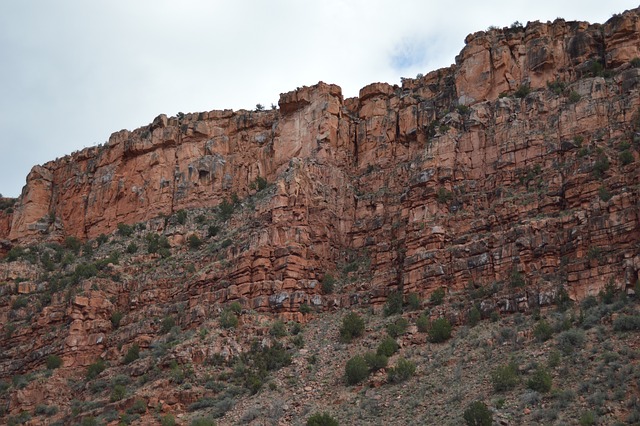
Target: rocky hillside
155	266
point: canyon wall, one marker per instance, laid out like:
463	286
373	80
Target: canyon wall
519	160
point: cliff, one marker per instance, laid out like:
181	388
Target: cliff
511	176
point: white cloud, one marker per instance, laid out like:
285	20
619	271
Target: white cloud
75	71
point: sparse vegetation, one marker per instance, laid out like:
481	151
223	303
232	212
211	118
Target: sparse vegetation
321	419
478	414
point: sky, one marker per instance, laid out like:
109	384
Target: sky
74	71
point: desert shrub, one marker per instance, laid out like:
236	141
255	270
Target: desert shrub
587	419
225	210
443	195
562	299
278	329
423	323
477	414
540	381
437	297
212	230
53	362
542	331
522	91
604	193
158	244
403	370
413	300
132	354
181	217
139	406
321	419
328	283
504	377
72	243
305	309
168	420
125	230
600	166
117	393
570	340
574	97
517	279
167	324
627	323
474	316
439	330
235	307
95	369
116	317
608	293
375	361
228	319
194	242
398	327
132	248
393	305
626	157
19	303
46	410
356	370
387	347
589	302
352	327
259	184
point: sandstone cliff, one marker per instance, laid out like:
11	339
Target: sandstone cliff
508	177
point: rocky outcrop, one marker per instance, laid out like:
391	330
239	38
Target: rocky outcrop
508	162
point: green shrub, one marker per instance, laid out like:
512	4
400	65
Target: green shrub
328	283
517	279
168	420
600	166
522	91
443	195
139	406
387	347
116	317
626	157
259	184
608	293
356	370
398	327
132	354
19	303
125	230
181	217
53	362
95	369
132	248
627	323
278	329
393	304
228	319
540	381
225	210
570	340
72	243
236	308
117	393
437	297
439	330
587	419
562	299
504	377
423	323
46	410
574	97
321	419
305	309
158	244
604	193
167	324
478	414
403	370
413	300
212	231
375	361
194	242
352	327
474	316
542	331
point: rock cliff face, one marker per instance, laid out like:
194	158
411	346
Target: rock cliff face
491	167
509	175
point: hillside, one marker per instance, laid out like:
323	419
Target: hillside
202	265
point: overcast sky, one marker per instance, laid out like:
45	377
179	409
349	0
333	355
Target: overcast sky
75	71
